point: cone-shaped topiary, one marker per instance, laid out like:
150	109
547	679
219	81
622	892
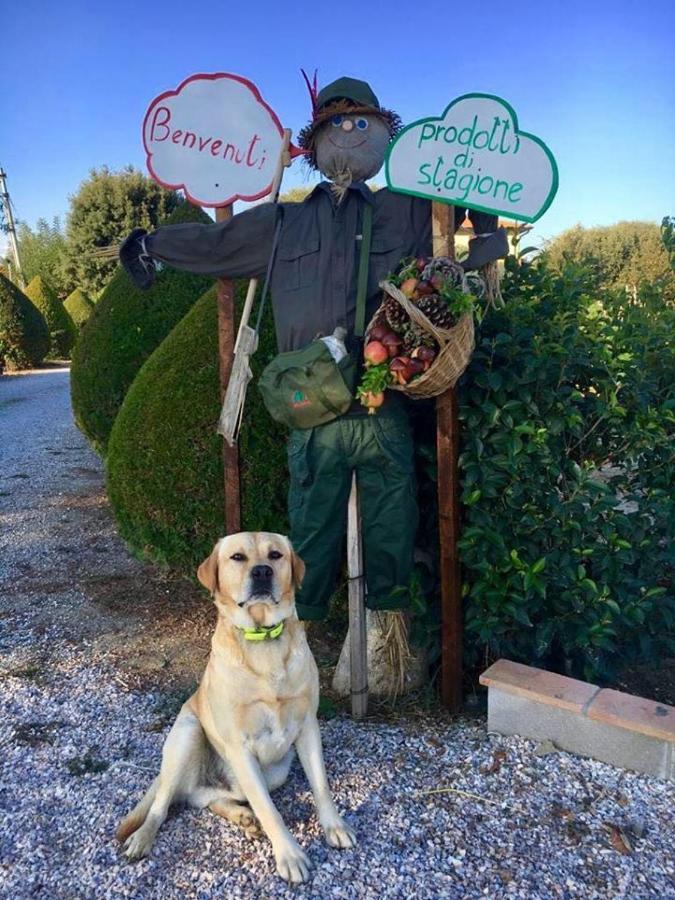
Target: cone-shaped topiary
79	307
24	338
62	330
123	330
164	463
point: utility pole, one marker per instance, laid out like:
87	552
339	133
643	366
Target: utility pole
9	227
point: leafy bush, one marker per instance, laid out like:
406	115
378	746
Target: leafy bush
164	463
79	307
566	467
123	330
62	330
24	338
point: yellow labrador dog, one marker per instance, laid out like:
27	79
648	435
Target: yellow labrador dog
257	700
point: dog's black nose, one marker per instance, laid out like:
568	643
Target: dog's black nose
259	573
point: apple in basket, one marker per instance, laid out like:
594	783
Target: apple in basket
408	287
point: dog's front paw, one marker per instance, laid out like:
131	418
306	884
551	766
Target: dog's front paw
138	845
339	835
292	863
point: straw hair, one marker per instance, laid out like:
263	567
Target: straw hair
456	346
395	648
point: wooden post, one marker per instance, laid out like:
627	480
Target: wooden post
358	647
226	335
447	453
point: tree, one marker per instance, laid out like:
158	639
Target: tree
42	252
107	206
296	194
24	338
621	256
62	330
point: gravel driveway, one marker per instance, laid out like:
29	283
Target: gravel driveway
82	724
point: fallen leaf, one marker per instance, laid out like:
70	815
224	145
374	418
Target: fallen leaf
498	758
619	840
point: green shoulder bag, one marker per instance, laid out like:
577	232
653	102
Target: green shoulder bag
307	387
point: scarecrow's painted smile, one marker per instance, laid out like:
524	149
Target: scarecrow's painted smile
346	146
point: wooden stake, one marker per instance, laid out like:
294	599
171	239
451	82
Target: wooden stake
447	454
358	648
225	353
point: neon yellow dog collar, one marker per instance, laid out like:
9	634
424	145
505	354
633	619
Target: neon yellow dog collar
263	633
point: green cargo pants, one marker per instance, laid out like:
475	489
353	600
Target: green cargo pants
321	461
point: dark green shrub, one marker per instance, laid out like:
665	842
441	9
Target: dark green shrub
62	330
164	462
24	338
79	307
123	330
567	469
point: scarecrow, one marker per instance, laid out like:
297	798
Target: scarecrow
316	245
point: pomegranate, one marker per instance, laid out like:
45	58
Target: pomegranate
373	400
375	353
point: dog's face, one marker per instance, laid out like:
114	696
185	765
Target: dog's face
252	577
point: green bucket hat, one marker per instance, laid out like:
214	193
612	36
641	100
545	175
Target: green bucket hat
342	96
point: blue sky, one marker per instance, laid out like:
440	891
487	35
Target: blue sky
594	79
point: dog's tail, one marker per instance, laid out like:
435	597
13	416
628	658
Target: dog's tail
136	817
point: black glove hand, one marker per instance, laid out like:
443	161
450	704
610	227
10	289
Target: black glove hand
136	261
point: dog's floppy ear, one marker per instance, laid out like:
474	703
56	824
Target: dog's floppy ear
207	573
298	569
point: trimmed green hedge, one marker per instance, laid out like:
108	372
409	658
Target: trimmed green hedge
164	462
24	338
79	307
567	469
123	330
62	330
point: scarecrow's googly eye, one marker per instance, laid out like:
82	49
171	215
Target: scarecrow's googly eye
336	121
362	124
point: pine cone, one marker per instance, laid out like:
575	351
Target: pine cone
397	317
412	337
448	268
436	310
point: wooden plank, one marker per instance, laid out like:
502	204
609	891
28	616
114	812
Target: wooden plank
226	336
358	648
447	454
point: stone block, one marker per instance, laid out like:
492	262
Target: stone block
619	729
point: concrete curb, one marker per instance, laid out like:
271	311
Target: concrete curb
616	728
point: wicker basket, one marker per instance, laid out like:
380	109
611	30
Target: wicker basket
456	346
